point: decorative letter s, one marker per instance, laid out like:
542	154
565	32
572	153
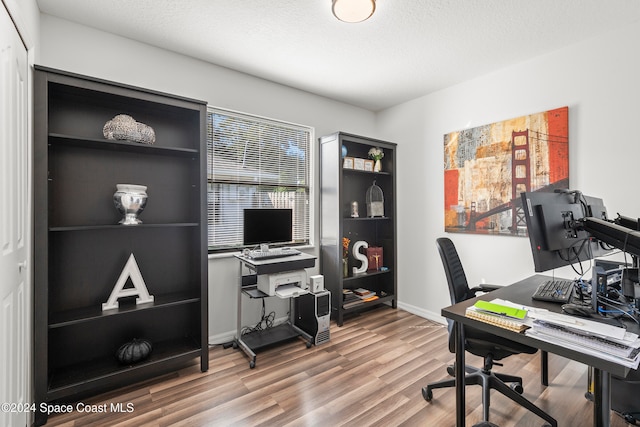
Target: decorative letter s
361	257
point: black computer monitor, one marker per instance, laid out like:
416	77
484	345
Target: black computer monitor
555	236
595	208
267	226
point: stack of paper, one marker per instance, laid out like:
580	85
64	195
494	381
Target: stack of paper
289	291
606	341
587	336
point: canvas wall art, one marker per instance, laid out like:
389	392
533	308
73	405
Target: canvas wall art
487	167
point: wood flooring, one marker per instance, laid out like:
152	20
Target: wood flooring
369	374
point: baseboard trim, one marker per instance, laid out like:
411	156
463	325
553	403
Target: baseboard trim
429	315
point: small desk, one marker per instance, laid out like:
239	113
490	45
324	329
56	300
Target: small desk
520	293
254	341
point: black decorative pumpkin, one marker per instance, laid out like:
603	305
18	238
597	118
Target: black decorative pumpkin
133	351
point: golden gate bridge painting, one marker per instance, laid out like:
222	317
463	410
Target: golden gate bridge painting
487	167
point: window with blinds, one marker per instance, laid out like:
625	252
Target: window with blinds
253	162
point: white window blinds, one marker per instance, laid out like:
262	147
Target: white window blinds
254	162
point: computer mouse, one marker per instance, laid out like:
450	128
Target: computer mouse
577	310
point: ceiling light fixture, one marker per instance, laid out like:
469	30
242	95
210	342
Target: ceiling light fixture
353	10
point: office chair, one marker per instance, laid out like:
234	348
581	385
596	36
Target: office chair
479	343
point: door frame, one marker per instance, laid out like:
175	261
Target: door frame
14	11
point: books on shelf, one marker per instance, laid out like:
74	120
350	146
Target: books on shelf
349	299
352	298
363	293
374	256
352	303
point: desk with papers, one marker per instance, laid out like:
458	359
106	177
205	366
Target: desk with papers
599	339
545	328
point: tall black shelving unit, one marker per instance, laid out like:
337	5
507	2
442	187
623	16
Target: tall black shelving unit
340	187
80	250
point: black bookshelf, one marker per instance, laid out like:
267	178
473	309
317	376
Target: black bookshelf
340	187
80	250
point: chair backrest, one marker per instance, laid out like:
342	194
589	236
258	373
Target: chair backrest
476	342
456	279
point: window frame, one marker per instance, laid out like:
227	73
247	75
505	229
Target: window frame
310	187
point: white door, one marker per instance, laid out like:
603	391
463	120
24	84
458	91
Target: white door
15	295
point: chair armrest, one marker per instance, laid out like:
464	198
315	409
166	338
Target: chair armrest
485	288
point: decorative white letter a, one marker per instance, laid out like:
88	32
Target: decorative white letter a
139	288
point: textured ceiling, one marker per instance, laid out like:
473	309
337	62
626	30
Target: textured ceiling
409	48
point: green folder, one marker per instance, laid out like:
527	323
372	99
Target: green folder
502	310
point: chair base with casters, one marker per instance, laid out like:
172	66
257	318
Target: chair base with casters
490	381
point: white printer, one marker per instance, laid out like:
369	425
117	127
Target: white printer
285	285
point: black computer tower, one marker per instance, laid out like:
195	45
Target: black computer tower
624	392
624	397
312	315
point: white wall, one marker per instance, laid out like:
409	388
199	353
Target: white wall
598	80
76	48
27	18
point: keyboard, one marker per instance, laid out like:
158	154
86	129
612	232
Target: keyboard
559	291
273	253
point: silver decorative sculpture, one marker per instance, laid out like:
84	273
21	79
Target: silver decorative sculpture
130	200
124	127
354	210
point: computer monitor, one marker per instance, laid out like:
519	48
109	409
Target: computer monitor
595	208
554	227
267	226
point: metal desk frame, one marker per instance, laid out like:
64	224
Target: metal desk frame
283	332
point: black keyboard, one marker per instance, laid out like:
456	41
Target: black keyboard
273	253
559	291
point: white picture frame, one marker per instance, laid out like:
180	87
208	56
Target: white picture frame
368	165
348	163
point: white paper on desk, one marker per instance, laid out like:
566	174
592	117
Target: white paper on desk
586	350
290	290
581	324
587	326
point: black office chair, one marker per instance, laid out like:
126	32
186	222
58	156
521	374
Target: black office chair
479	343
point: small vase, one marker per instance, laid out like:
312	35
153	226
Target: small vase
130	200
377	167
345	267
